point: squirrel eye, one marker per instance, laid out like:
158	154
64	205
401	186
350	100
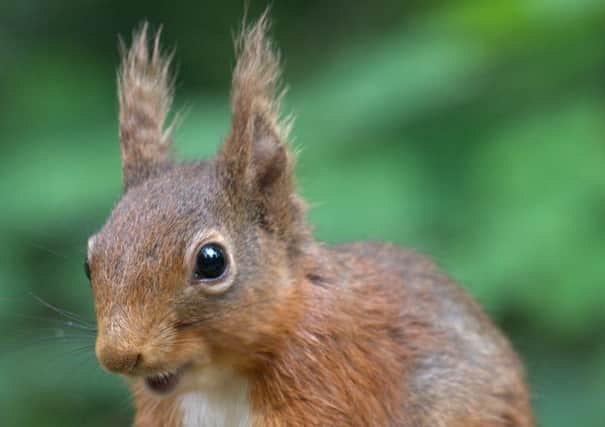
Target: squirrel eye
210	263
87	269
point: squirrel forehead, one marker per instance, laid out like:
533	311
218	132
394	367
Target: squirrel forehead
168	209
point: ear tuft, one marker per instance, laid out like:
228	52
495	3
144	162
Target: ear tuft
258	138
145	93
256	91
255	162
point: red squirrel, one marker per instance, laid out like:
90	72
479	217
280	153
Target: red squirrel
219	308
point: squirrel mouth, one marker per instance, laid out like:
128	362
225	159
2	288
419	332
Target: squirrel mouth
164	382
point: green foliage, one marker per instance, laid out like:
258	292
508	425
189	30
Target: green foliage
470	132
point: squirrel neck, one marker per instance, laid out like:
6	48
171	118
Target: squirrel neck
335	357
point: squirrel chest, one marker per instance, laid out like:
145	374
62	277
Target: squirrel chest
227	405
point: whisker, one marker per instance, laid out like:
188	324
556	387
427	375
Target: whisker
68	314
49	251
64	323
64	344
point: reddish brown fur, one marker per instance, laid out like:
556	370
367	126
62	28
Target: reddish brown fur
358	335
145	95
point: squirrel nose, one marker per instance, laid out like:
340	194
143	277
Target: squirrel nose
117	360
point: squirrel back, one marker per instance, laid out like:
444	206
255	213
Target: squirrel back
217	305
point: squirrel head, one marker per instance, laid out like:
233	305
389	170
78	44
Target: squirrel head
197	261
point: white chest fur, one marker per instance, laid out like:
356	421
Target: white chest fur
226	405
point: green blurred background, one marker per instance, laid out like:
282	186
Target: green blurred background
469	130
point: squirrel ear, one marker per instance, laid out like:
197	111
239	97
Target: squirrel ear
255	160
145	92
